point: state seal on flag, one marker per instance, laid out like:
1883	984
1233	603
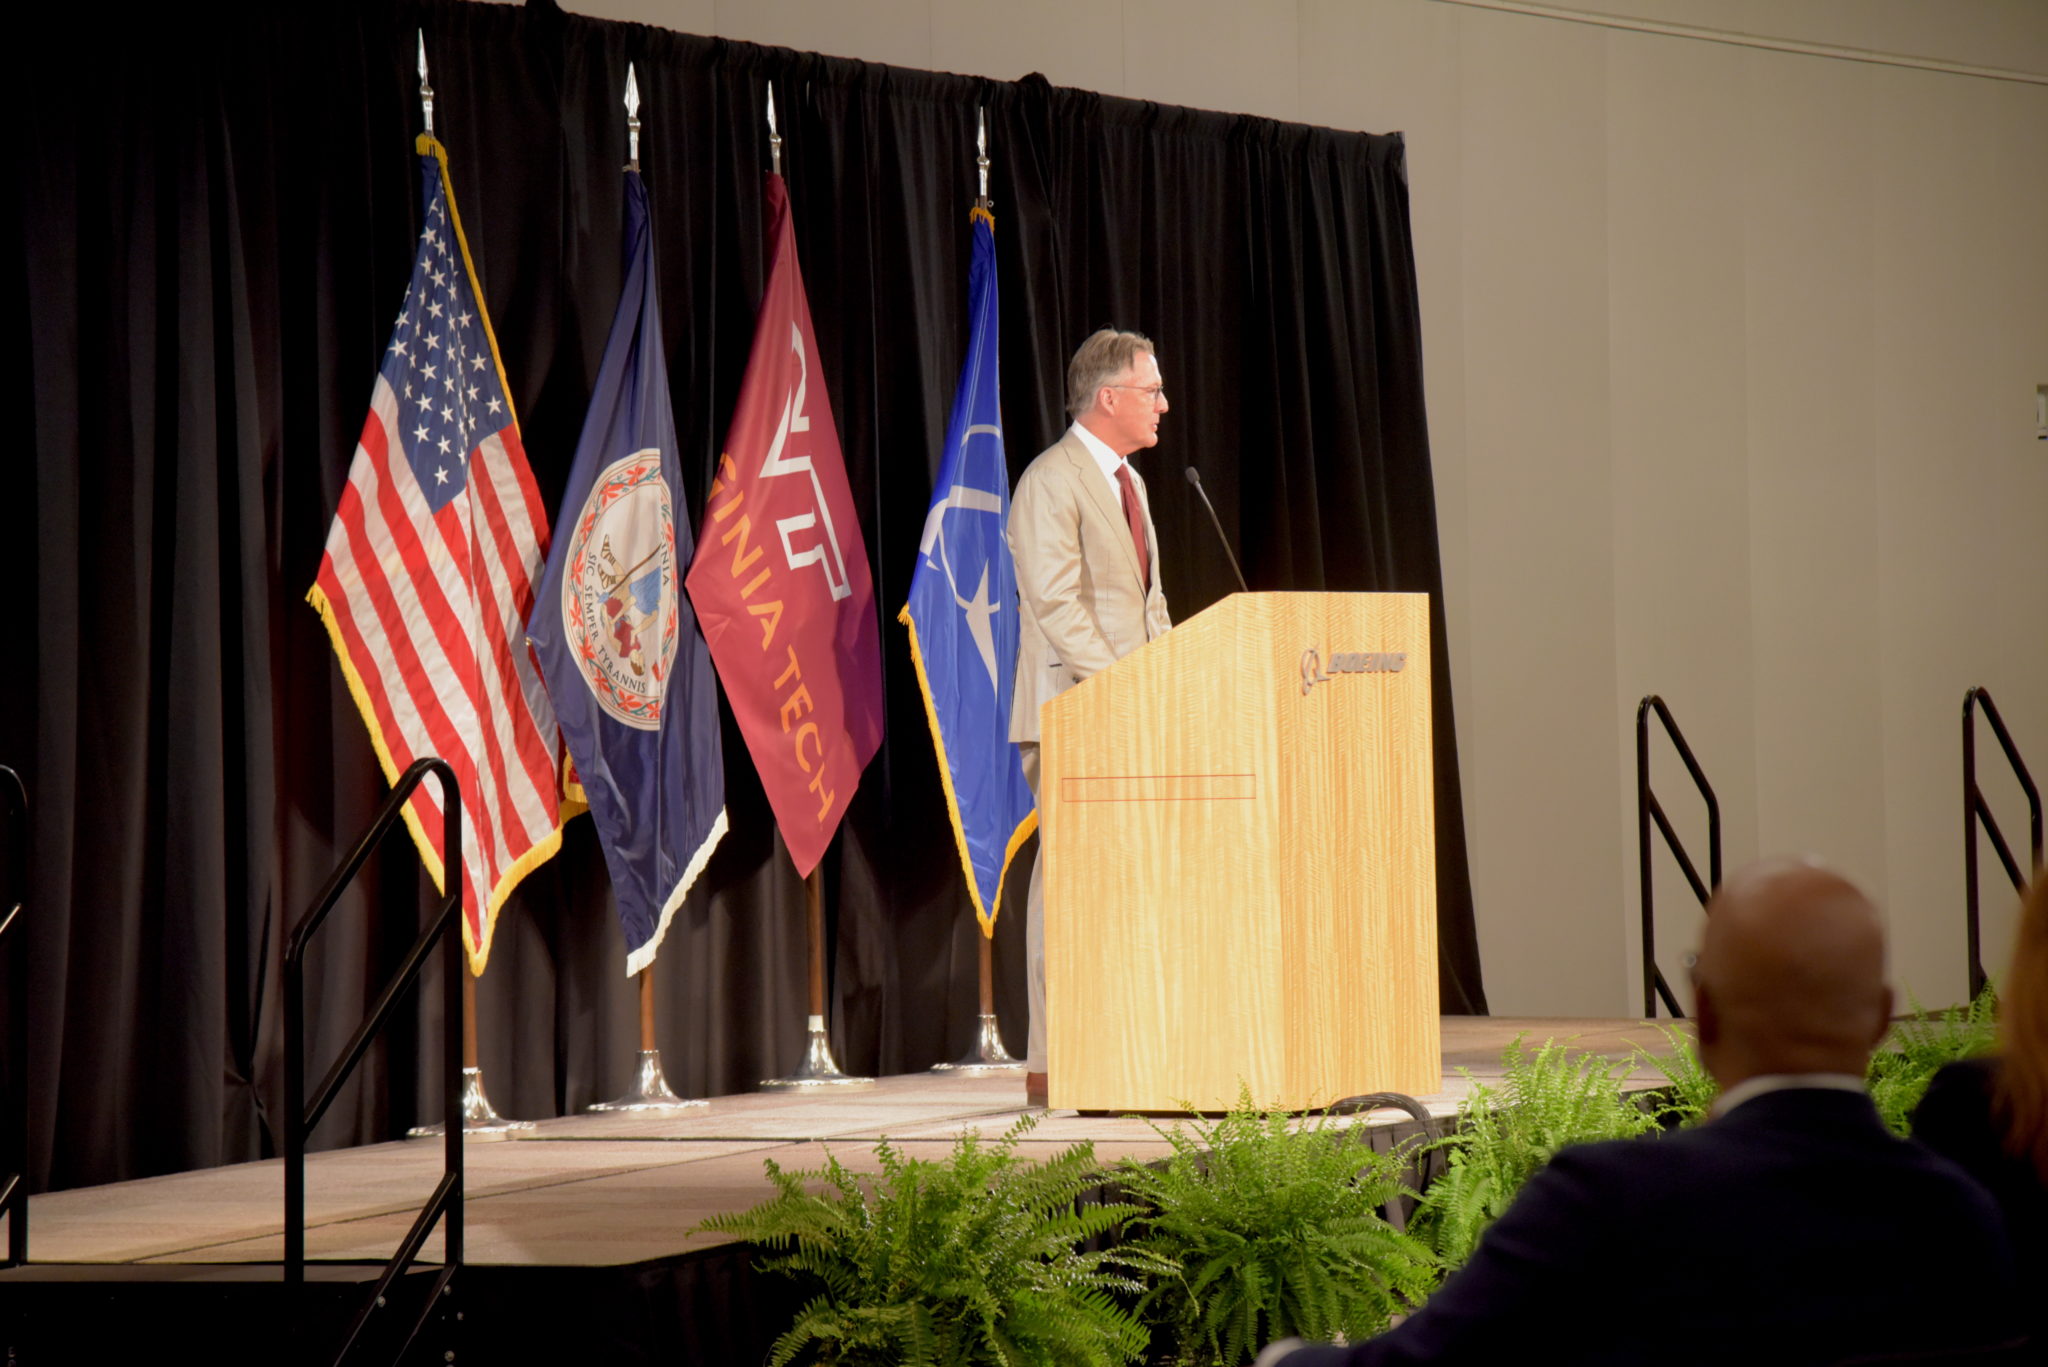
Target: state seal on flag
619	593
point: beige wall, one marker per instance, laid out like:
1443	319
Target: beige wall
1731	355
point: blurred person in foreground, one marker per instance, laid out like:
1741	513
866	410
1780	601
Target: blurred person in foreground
1790	1227
1990	1115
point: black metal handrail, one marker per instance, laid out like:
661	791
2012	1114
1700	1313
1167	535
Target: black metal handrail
1977	812
14	943
1648	810
1429	1159
300	1117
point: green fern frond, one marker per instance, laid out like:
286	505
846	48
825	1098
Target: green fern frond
1920	1046
1546	1100
1691	1089
1256	1215
973	1260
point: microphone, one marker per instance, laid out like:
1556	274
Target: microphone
1195	478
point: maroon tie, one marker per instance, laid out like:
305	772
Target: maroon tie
1135	515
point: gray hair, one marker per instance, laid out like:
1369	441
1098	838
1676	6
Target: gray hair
1099	360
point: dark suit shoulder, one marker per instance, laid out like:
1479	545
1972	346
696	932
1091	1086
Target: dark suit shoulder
1959	1119
1820	1150
1955	1118
1798	1125
1964	1087
1782	1221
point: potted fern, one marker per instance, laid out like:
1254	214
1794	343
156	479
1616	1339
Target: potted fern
977	1259
1689	1090
1920	1046
1258	1230
1547	1099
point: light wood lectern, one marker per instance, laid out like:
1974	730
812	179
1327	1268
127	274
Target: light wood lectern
1240	847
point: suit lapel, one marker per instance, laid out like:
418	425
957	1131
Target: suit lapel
1107	505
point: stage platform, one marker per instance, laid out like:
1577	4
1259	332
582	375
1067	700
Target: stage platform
602	1190
592	1216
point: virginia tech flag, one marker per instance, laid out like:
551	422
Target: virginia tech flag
962	612
625	665
781	578
429	574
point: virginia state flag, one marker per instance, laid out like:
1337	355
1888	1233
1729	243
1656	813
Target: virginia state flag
781	578
962	612
617	642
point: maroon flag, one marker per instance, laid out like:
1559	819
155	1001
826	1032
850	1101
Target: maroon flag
780	579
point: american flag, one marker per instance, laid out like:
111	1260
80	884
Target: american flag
429	574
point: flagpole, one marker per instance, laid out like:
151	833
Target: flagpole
426	91
632	120
650	1090
987	1054
814	920
809	771
982	201
820	1071
478	1115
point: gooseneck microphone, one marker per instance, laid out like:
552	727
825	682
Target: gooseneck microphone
1195	478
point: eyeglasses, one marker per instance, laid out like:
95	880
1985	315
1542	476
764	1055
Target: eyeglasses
1154	393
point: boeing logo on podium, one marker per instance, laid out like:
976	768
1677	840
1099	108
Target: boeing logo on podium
1349	662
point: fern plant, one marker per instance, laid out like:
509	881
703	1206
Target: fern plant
1547	1100
1691	1090
974	1260
1920	1045
1259	1230
1917	1048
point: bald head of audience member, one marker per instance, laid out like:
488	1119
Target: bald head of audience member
1790	976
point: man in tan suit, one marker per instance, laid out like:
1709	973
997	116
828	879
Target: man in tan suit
1087	573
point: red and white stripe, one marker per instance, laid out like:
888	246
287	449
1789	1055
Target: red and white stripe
428	610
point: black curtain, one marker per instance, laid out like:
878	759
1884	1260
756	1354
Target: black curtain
216	228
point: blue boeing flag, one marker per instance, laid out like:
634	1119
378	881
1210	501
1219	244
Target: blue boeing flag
962	612
617	640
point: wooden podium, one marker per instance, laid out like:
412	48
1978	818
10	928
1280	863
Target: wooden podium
1240	847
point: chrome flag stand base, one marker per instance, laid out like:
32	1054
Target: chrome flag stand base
987	1055
479	1117
650	1091
820	1071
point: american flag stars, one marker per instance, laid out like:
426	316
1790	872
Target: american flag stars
439	362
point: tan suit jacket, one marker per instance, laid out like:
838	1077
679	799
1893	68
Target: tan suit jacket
1084	606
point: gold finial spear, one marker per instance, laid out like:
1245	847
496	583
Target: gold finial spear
774	137
632	120
426	91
